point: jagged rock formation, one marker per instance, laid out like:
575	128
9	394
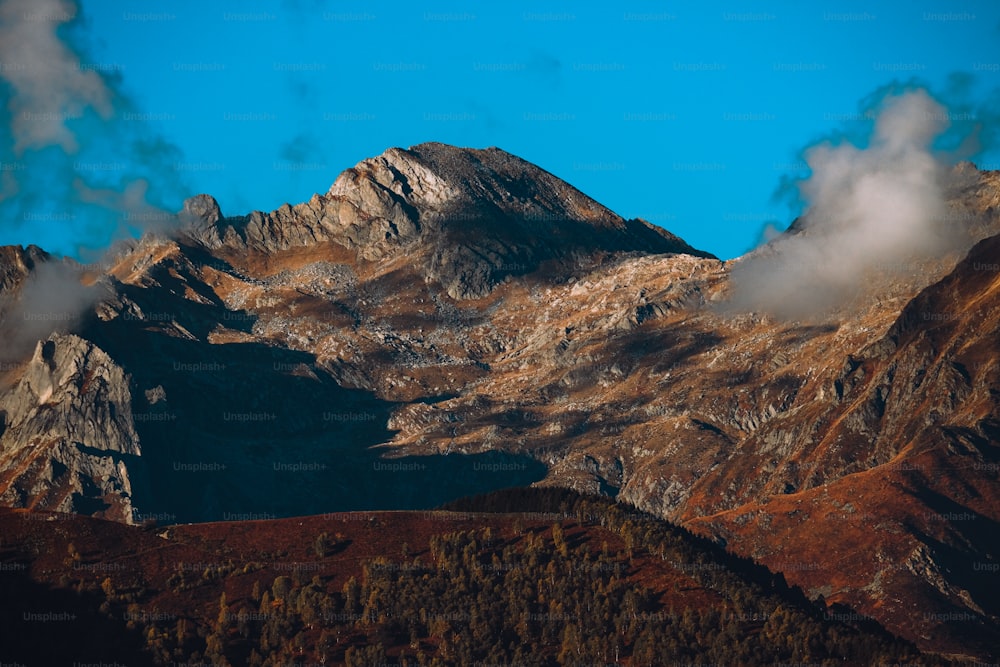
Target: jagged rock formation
468	217
16	263
448	301
66	432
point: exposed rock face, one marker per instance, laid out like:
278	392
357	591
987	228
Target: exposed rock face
16	264
468	218
450	301
68	432
201	216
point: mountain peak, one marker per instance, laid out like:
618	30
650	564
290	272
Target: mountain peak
402	172
440	176
467	218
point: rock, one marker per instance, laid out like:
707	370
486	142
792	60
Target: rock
200	217
15	265
69	431
156	394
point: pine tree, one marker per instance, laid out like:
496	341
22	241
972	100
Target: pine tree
559	540
571	650
222	620
352	596
323	545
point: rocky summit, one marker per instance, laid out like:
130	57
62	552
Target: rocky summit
447	321
469	218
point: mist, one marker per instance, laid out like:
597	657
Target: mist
869	208
70	129
48	85
82	170
52	299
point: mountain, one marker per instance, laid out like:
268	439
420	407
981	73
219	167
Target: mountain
467	218
448	321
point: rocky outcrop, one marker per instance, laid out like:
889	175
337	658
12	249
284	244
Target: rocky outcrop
16	263
201	218
68	433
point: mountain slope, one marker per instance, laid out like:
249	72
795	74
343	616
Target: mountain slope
920	423
447	321
555	579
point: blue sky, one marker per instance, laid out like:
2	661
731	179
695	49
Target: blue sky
687	114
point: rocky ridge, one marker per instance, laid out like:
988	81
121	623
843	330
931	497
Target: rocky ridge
433	203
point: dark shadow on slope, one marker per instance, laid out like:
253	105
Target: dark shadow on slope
969	552
55	626
965	556
244	433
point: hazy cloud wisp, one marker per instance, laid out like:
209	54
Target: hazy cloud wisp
78	166
869	207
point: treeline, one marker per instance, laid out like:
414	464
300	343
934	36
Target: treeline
703	558
551	594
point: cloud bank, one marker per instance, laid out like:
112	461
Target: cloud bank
869	207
